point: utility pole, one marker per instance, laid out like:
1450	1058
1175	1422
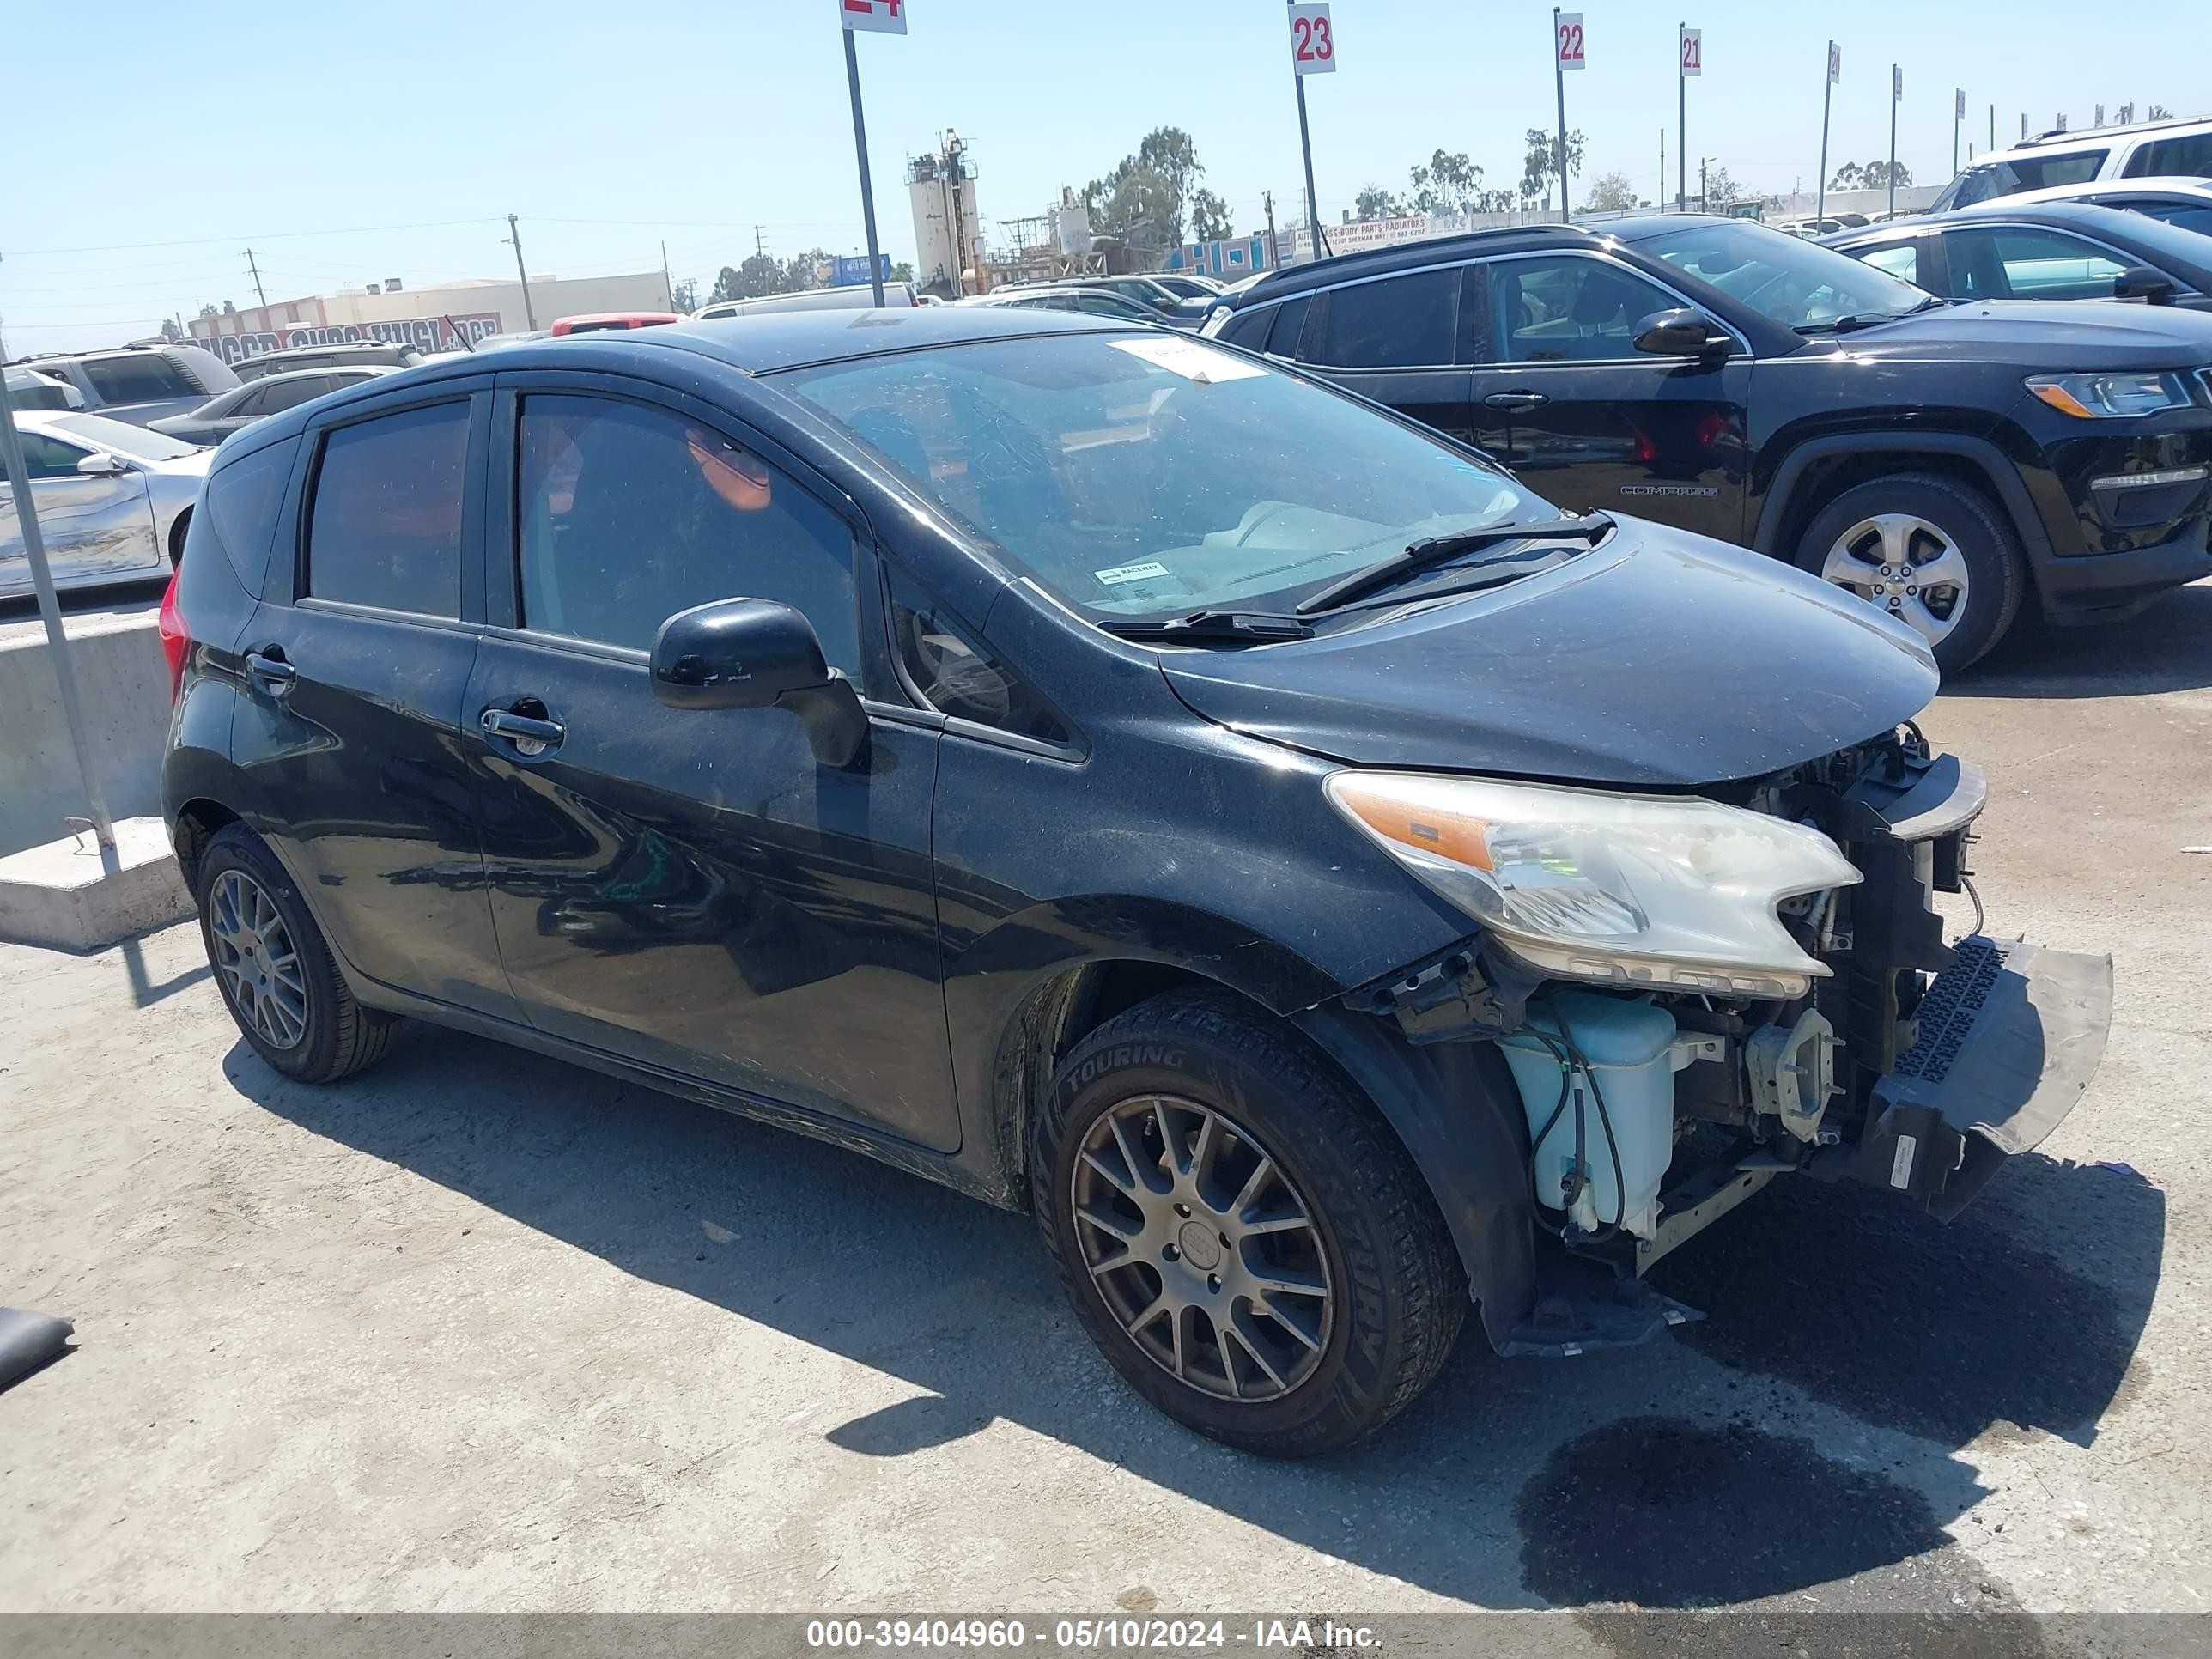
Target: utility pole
1704	202
760	242
514	235
667	282
1662	174
1274	256
1958	120
256	270
1993	126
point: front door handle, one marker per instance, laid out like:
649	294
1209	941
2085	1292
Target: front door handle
528	735
267	669
1516	400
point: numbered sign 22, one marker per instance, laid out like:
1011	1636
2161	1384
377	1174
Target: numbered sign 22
1693	52
874	16
1570	40
1313	41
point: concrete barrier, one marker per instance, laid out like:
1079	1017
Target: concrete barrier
123	681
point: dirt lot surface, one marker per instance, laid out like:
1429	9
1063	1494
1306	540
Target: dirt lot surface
480	1330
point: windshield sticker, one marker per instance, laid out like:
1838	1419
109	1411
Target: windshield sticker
1130	573
1193	362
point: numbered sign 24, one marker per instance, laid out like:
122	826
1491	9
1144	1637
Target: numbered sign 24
1570	40
1693	52
1313	41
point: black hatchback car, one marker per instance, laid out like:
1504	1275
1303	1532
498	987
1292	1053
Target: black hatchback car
1114	776
1950	463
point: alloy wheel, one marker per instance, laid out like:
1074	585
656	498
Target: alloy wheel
259	964
1907	566
1201	1248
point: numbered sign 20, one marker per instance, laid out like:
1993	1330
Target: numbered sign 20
1570	40
1313	42
1693	52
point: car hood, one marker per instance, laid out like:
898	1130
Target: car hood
2050	334
1660	659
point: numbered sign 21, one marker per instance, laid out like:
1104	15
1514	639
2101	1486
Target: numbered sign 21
1693	52
1570	40
1313	42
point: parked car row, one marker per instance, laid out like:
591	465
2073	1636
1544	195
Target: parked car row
113	500
1333	890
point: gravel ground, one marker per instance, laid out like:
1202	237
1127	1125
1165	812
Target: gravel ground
482	1332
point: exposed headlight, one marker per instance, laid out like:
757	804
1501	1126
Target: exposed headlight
1642	889
2110	396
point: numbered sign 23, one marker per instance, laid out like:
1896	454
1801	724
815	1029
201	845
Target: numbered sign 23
1693	52
1570	40
1313	41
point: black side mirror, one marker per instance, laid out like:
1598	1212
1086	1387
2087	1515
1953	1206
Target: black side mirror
756	654
1679	332
2145	282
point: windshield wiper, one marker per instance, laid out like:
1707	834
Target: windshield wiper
1236	627
1432	550
1855	322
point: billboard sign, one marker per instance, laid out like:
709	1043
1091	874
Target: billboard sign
449	332
851	270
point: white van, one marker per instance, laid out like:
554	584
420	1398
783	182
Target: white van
2146	149
857	298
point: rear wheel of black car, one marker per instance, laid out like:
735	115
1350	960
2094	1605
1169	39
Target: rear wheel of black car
1937	555
275	970
1239	1231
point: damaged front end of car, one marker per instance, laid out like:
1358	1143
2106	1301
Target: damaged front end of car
1695	995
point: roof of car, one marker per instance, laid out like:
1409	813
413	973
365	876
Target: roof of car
2090	135
2155	188
2083	216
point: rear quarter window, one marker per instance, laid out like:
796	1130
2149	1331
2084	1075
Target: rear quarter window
137	380
385	525
238	512
1248	329
2189	155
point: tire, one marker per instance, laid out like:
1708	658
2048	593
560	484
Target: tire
292	1006
1847	536
1304	1374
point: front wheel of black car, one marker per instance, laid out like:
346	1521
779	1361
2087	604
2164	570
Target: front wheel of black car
1937	555
274	969
1241	1235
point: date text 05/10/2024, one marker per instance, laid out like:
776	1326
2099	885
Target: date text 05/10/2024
1116	1634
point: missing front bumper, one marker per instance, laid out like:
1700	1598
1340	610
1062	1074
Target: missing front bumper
2007	1038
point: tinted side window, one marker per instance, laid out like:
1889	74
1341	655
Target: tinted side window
628	514
286	394
138	379
2199	219
1289	325
1899	259
1249	329
240	508
2027	264
387	523
2190	155
1570	309
958	674
49	457
255	402
2042	173
1400	322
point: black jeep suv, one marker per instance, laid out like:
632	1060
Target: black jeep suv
1948	462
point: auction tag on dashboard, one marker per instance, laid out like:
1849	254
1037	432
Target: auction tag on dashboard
1131	572
1187	358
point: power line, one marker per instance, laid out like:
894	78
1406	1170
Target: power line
271	236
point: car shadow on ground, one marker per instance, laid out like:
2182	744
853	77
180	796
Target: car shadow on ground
1511	1483
2167	648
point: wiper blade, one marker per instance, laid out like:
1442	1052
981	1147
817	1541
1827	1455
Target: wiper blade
1238	627
1853	322
1432	550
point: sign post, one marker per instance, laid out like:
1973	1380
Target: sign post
876	17
1313	51
1567	47
1958	120
1689	60
1827	97
18	476
1896	96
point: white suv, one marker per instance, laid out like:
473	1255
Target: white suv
2164	149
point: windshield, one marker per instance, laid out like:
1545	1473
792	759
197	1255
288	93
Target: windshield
1143	475
123	438
1789	281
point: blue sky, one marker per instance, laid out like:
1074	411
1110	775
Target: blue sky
368	142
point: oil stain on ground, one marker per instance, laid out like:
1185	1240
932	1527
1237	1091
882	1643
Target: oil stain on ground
1654	1513
1942	1329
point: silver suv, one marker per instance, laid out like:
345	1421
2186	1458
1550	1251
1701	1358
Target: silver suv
140	383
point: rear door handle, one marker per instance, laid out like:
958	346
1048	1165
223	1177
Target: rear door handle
529	736
267	669
1516	400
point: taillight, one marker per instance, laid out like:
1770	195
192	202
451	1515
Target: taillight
176	639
